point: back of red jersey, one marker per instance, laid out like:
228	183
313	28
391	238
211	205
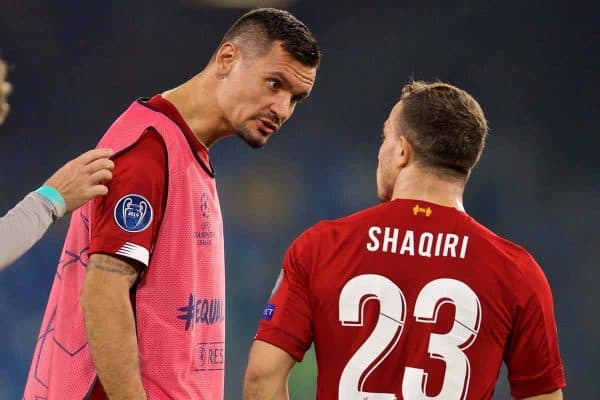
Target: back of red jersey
412	300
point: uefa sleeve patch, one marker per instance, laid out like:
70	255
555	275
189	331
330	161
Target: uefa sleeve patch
268	312
133	213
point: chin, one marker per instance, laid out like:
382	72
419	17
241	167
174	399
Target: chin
254	139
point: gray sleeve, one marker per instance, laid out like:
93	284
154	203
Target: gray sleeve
24	225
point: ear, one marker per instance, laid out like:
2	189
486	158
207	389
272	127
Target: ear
225	58
404	152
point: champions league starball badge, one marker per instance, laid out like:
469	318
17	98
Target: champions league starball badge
133	213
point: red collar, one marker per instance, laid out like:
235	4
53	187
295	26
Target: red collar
160	104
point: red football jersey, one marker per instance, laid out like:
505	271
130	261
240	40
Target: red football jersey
412	300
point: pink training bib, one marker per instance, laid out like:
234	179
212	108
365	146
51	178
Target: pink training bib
179	303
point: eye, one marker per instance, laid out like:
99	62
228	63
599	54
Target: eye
274	84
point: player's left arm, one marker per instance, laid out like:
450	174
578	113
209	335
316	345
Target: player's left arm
110	324
267	372
532	355
556	395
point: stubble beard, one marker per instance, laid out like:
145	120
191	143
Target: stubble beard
244	132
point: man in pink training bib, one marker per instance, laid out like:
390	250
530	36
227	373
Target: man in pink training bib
137	308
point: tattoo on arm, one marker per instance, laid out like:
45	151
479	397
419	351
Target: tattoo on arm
114	265
115	270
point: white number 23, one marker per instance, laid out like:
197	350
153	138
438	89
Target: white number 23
448	347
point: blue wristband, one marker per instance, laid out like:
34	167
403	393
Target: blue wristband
53	196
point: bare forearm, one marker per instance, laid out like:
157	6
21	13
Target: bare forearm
112	340
111	330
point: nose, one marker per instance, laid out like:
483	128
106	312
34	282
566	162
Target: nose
282	107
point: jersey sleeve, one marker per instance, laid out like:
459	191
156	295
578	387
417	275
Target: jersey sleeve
23	226
532	355
126	221
286	319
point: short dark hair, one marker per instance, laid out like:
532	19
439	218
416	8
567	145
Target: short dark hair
261	27
445	126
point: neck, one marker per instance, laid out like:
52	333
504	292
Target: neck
197	103
414	183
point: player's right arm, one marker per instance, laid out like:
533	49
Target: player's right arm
556	395
267	373
123	229
110	325
284	333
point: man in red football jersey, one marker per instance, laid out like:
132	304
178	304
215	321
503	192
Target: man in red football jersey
137	308
412	299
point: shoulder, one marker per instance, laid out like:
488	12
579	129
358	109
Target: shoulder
150	146
512	252
519	264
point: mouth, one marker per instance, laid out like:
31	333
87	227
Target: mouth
266	127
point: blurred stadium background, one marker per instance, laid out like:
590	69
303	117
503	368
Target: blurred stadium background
533	66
